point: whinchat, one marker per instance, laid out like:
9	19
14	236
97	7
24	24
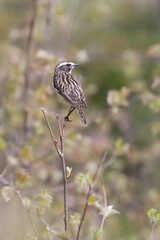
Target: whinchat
69	89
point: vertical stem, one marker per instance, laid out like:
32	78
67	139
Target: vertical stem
152	230
27	60
60	153
88	195
47	24
61	133
105	205
65	185
84	212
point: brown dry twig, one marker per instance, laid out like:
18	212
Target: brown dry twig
105	205
152	230
88	195
27	60
60	152
47	29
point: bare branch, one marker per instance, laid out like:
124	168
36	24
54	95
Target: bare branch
105	205
47	23
64	174
152	230
52	230
88	195
51	133
5	170
61	156
27	60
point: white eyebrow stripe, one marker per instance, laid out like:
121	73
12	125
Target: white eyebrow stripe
64	63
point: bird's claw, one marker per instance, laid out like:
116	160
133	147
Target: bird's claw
66	119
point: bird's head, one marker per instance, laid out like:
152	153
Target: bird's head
66	66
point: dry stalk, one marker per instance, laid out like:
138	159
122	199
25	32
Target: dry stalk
47	29
88	195
60	152
27	61
152	230
105	205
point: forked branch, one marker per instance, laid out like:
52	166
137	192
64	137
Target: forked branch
60	152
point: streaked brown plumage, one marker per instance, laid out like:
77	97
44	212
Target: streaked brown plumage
69	88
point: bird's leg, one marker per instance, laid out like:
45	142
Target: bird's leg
69	113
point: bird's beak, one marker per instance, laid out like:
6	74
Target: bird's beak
76	64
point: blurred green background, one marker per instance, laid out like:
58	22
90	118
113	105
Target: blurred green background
117	44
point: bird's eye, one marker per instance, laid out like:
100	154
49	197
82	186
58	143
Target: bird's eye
68	65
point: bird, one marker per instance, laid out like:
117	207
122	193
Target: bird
69	88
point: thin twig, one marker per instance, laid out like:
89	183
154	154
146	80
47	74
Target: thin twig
27	61
88	195
105	205
152	230
50	228
64	174
109	163
5	181
61	156
47	24
51	133
5	170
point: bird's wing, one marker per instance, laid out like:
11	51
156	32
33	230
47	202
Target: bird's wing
71	90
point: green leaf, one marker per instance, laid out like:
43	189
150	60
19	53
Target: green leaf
153	215
155	105
151	212
158	216
152	101
83	179
65	235
75	219
92	199
96	234
48	233
23	179
7	193
26	202
121	147
25	153
42	201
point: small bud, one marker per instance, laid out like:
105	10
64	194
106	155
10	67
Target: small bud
68	171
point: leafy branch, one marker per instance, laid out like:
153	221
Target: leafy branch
154	217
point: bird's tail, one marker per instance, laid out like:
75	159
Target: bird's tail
81	114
